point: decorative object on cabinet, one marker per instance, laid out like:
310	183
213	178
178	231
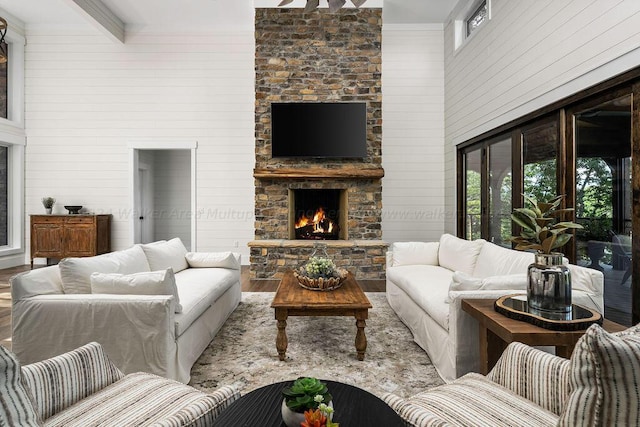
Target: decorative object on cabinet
48	203
73	209
61	236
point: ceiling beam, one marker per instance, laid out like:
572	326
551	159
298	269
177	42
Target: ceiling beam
101	17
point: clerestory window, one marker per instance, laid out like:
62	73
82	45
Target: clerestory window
477	18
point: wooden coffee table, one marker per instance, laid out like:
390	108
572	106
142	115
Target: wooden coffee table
293	300
497	331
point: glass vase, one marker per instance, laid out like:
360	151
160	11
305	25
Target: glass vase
549	284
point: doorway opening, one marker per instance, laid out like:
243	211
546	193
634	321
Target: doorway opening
163	193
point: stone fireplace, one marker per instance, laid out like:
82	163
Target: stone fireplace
318	57
319	214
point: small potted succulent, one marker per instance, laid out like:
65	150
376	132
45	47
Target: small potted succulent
48	203
307	402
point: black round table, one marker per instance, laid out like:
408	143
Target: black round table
353	407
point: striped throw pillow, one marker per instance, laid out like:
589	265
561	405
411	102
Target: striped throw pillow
16	408
605	379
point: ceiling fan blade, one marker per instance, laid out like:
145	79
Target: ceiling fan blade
311	5
335	5
285	2
358	3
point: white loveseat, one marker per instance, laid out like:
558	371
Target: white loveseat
54	309
427	281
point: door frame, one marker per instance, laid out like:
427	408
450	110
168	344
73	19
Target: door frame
159	144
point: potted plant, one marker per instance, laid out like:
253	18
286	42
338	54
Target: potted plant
305	401
320	273
48	203
549	280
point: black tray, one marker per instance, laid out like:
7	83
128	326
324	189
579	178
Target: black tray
516	307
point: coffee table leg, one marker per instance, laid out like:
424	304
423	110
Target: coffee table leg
281	338
361	338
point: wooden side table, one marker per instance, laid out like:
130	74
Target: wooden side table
497	331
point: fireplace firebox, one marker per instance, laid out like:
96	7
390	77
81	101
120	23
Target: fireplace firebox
317	214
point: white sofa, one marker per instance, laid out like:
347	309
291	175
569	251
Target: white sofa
54	309
427	281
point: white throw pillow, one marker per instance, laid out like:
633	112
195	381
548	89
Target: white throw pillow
212	259
162	282
461	281
415	253
162	255
75	272
458	254
516	282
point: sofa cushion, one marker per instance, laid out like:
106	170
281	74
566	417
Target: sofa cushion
76	272
161	282
415	253
463	282
495	260
427	286
199	288
605	379
16	406
163	254
140	399
472	401
212	260
458	254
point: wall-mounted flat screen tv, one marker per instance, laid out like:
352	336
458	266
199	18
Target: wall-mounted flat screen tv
319	129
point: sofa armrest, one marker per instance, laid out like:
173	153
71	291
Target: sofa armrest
41	281
463	330
61	381
413	415
203	411
137	331
535	375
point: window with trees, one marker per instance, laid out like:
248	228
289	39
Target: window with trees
583	148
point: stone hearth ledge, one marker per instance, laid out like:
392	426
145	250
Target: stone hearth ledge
272	258
285	243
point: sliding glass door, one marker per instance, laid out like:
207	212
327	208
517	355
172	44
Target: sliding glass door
473	194
603	194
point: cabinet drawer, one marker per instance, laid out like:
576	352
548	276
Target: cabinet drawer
80	220
45	219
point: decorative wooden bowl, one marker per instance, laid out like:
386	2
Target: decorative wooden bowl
321	284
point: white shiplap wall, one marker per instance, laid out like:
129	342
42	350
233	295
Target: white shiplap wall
87	98
530	54
413	132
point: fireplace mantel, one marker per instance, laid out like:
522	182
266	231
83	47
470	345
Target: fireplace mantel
318	173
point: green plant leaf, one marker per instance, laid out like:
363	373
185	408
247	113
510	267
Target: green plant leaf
561	240
523	220
568	224
547	244
543	222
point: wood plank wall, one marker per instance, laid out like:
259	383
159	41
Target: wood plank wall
413	134
87	98
528	55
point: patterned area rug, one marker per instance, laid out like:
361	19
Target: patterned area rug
244	353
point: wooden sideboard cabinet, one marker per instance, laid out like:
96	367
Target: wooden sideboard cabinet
61	236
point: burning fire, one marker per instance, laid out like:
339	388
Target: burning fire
319	223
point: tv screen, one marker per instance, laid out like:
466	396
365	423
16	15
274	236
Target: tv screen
331	129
